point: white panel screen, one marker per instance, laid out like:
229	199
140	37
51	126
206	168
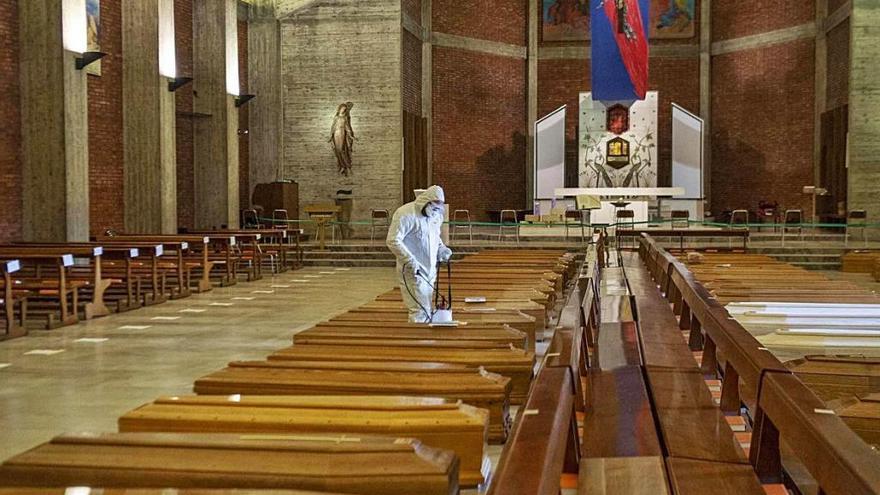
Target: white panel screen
550	154
687	152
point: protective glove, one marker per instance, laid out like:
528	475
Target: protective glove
444	254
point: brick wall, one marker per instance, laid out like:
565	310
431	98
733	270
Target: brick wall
495	20
243	122
837	91
411	66
106	179
559	83
10	132
747	17
479	129
183	27
762	126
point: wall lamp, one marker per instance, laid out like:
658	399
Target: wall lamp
242	99
178	82
88	58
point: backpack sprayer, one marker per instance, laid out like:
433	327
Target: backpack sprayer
443	304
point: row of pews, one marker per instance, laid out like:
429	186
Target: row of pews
362	403
792	436
56	284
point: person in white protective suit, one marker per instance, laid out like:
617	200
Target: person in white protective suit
414	238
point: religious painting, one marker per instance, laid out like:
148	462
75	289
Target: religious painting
617	154
673	19
93	33
611	159
566	20
618	119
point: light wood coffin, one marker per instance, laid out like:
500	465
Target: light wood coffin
862	415
437	423
346	464
838	377
479	389
516	364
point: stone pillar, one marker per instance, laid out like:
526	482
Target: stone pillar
864	106
215	138
532	111
149	124
264	79
706	96
54	114
428	82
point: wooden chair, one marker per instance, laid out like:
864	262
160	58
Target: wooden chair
379	219
462	222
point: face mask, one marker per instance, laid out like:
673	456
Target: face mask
434	210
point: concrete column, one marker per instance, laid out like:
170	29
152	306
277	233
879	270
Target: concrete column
428	82
264	79
864	106
54	111
706	94
821	76
216	135
532	113
150	165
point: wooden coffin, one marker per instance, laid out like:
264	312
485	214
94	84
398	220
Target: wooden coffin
437	423
838	377
514	319
463	336
346	464
489	293
482	389
525	306
152	491
516	364
862	415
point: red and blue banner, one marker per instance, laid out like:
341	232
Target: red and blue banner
620	49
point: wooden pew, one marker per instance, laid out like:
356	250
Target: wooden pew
377	465
74	490
54	296
208	252
513	363
544	442
619	475
835	457
861	414
12	326
437	423
480	389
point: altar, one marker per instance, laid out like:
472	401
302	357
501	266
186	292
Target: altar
612	198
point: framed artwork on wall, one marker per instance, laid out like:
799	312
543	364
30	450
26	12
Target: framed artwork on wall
565	20
673	19
93	33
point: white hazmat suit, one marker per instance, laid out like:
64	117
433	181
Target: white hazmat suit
414	238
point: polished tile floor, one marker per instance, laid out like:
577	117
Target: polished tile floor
82	378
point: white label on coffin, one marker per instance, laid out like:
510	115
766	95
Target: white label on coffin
262	292
312	276
92	340
165	318
220	304
134	327
280	286
342	269
5	365
44	352
243	298
475	300
192	310
327	273
299	280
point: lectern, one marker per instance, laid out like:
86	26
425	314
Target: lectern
322	215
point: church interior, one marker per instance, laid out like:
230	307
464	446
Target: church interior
419	247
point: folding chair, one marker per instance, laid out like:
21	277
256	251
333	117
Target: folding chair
861	219
514	224
578	217
738	219
459	217
378	219
624	220
792	220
